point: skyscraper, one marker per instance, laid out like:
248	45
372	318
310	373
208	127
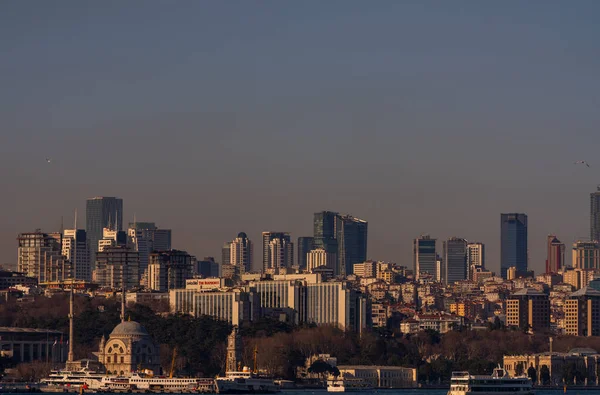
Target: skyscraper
586	255
75	249
475	258
455	260
555	254
513	243
305	245
278	251
595	215
351	235
424	256
101	212
324	231
241	253
40	256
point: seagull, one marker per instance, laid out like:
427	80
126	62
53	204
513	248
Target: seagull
49	160
581	162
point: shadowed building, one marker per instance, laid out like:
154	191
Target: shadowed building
528	309
100	213
513	240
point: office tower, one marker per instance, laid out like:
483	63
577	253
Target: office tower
226	253
283	243
207	267
101	212
278	296
319	258
439	268
351	235
40	256
513	243
75	250
241	253
305	245
528	309
141	241
324	231
424	256
595	215
586	255
455	260
160	238
117	265
168	270
555	254
475	258
582	313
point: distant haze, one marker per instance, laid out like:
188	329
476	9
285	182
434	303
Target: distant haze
214	117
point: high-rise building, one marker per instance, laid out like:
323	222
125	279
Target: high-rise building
336	303
141	241
324	231
305	245
278	251
168	270
40	256
528	309
455	260
555	254
281	255
207	267
475	258
582	313
160	239
320	258
116	266
101	212
586	255
75	250
226	253
351	235
513	240
595	215
111	238
424	256
241	253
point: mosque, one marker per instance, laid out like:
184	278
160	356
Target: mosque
129	348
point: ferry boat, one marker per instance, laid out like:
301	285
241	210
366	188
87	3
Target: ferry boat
71	379
244	382
348	384
463	383
148	382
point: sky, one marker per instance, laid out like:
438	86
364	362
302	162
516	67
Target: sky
216	117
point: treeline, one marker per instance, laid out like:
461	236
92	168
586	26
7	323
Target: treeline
200	343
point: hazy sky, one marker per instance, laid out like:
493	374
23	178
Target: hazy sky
212	118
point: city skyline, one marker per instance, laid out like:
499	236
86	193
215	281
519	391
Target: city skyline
419	118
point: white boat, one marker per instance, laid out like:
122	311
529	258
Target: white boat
143	381
348	384
244	382
463	383
71	379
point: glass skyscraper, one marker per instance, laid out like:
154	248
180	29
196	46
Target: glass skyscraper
513	242
351	235
424	257
324	233
455	260
101	212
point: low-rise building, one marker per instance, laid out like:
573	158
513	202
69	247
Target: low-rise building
441	323
27	345
381	376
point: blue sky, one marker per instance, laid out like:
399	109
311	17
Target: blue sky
215	117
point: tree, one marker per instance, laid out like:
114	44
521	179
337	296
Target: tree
321	367
532	373
545	375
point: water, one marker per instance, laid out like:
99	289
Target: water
394	391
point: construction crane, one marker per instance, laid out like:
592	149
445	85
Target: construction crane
173	363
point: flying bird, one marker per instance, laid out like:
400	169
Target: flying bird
49	160
581	162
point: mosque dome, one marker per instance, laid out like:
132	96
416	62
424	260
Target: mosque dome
129	328
242	235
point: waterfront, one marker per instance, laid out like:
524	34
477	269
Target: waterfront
411	391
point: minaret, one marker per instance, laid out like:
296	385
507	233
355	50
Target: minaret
123	298
71	356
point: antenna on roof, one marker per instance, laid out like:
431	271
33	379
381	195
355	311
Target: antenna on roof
75	222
